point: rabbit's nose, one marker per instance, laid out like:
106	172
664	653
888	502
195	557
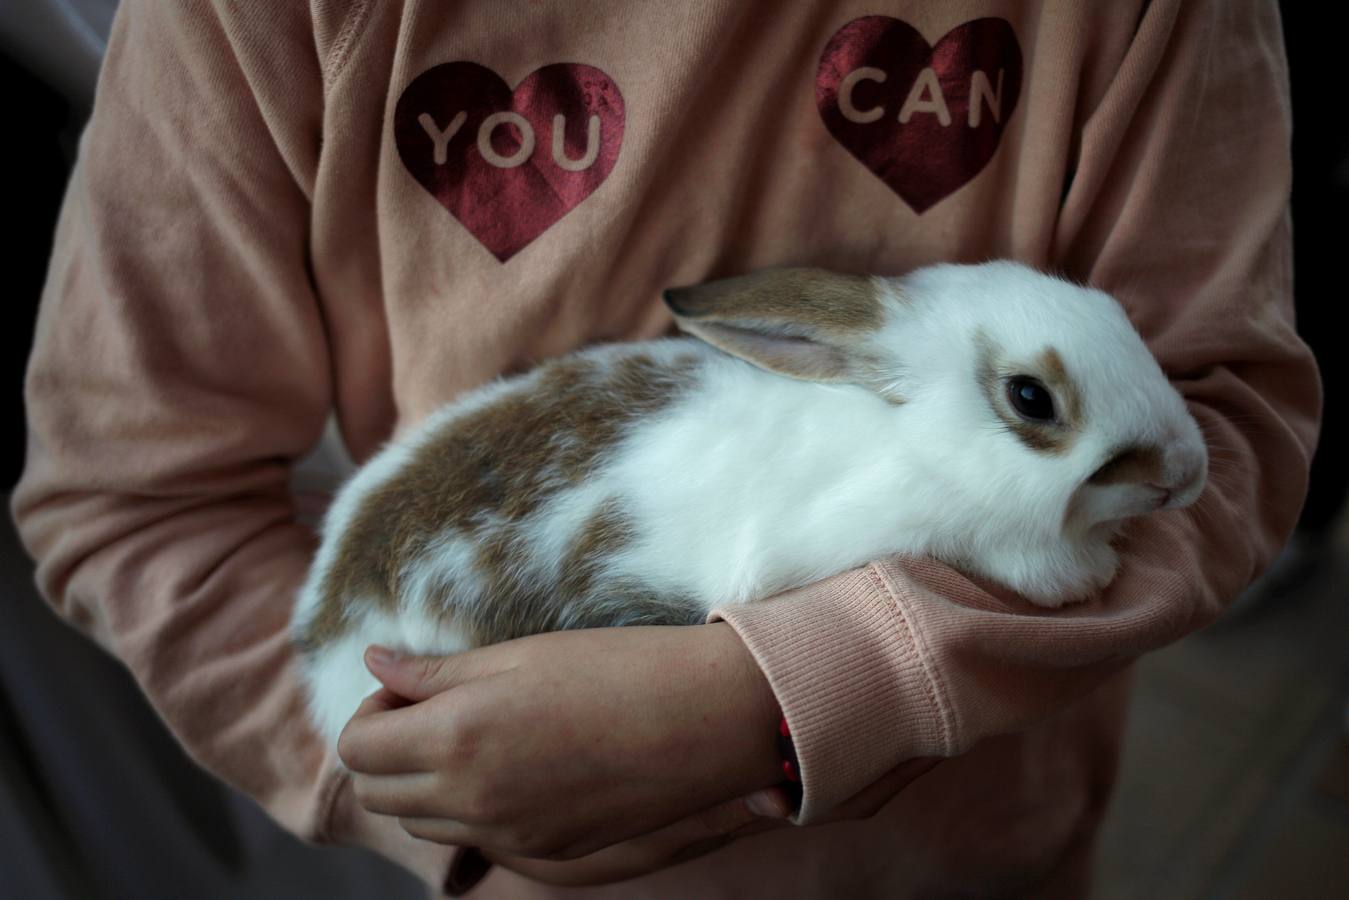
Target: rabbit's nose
1185	488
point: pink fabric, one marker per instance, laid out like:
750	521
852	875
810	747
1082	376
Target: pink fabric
242	250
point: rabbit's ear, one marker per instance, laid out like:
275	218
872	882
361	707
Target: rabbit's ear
806	323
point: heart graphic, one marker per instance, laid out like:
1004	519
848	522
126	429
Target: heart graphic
508	164
923	118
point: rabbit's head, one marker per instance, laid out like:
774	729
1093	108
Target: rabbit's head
1038	418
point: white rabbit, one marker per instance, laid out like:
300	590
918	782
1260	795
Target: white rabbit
989	416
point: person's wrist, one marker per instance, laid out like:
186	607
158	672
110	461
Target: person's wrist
754	715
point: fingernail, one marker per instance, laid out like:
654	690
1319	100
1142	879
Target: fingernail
382	656
764	803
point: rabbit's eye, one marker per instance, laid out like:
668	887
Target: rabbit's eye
1031	398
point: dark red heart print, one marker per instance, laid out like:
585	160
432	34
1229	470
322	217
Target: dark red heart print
958	96
500	160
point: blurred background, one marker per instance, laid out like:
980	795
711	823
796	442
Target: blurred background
1235	779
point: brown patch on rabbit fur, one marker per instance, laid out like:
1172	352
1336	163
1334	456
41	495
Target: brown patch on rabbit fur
828	301
1047	437
1054	374
1139	464
497	465
519	604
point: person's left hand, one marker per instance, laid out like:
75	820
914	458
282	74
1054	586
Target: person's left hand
558	745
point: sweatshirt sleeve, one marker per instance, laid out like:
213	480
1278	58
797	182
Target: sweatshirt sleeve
1178	204
179	367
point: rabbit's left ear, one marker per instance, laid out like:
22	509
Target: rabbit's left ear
805	323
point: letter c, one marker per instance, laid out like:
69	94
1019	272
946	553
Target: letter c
845	104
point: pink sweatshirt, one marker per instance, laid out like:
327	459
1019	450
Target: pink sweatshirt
278	211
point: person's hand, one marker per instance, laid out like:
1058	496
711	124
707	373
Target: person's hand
708	831
559	745
684	840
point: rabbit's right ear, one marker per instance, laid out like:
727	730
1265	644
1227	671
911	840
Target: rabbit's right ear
806	323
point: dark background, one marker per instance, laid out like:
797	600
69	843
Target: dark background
42	118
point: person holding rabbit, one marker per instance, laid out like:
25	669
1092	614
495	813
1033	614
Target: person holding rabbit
376	209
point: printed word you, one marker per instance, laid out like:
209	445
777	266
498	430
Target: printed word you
441	137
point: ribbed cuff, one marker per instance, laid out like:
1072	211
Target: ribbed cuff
851	679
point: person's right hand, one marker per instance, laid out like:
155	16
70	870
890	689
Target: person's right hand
686	839
707	831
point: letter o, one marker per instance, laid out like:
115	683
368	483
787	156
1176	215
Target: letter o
489	125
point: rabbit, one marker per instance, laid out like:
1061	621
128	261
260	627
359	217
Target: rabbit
989	416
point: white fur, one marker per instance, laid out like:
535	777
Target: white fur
752	482
338	678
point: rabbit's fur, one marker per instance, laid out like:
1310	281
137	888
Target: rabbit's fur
822	421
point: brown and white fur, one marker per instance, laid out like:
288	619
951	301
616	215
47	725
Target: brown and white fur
821	421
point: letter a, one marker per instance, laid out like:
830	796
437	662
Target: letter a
926	82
